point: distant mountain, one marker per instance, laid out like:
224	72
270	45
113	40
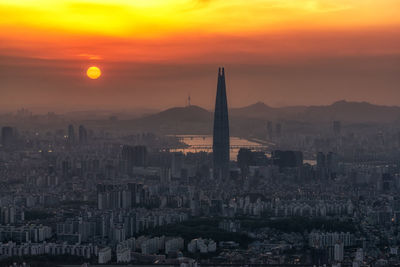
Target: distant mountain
262	111
105	114
258	109
353	112
178	120
252	119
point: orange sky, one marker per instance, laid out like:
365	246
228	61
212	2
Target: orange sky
70	35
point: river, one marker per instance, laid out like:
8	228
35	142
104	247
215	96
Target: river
197	143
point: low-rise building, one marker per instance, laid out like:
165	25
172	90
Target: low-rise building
104	255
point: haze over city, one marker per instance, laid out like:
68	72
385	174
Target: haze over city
189	133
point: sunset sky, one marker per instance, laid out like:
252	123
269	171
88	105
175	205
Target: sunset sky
153	53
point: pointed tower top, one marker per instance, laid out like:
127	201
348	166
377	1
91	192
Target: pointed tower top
221	71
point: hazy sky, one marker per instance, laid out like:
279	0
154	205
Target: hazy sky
155	52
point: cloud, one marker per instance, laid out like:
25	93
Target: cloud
325	6
90	56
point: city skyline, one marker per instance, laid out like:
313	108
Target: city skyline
118	146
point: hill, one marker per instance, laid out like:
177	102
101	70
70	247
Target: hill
178	120
253	118
352	112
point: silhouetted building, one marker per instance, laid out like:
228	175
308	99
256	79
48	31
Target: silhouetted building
128	157
119	196
387	182
82	135
7	137
244	160
278	130
337	127
269	130
327	165
287	159
321	166
332	164
247	158
165	176
66	167
71	134
134	156
221	130
177	164
140	156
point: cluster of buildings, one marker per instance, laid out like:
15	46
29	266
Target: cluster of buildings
144	244
13	249
323	239
110	195
25	233
202	245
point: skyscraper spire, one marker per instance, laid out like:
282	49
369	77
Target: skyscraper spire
221	130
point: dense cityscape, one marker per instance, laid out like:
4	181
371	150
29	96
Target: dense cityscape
87	192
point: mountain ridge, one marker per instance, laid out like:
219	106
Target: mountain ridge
199	120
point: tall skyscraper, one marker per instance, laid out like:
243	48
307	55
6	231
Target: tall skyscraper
337	128
128	156
71	134
278	130
221	130
140	156
82	135
134	156
321	166
269	130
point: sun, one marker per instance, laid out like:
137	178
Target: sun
93	72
